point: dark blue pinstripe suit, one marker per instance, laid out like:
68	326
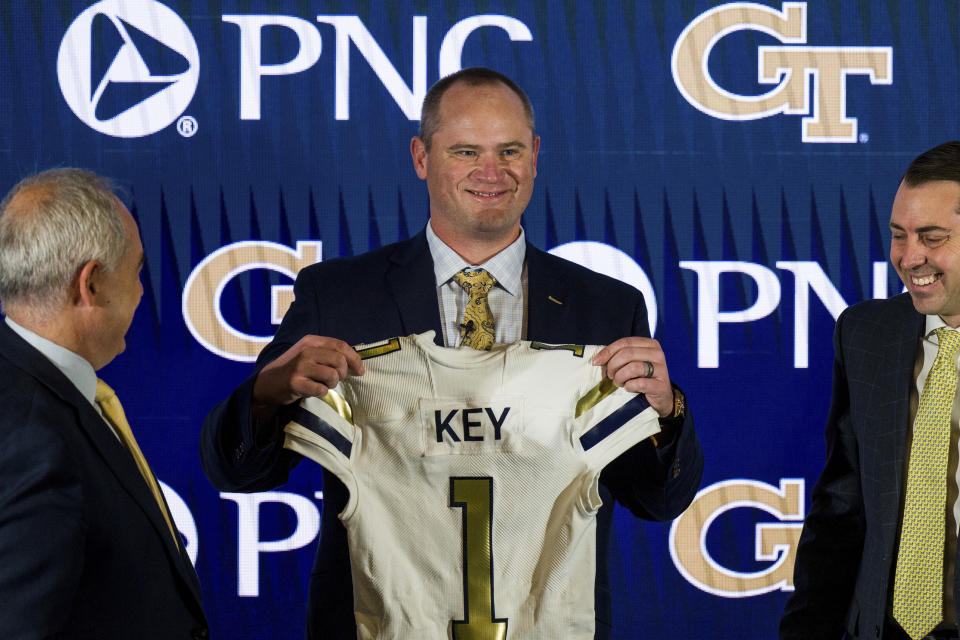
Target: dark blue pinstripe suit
86	551
847	552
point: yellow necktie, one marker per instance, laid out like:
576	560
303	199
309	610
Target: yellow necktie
477	328
113	410
918	582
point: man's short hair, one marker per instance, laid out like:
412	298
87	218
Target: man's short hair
940	163
51	224
474	77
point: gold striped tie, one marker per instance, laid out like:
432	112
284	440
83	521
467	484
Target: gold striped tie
918	581
113	410
478	326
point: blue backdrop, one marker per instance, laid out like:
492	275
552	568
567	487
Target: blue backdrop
735	161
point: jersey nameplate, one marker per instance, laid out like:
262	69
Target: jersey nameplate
476	427
372	351
575	349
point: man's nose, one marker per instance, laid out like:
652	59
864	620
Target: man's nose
490	168
914	255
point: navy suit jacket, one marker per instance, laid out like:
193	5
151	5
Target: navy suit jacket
844	569
392	292
84	550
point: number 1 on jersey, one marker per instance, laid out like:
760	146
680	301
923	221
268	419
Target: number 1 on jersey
475	497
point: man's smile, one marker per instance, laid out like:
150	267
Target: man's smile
925	280
485	195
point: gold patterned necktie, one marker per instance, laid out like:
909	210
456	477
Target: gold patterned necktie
477	328
918	582
113	410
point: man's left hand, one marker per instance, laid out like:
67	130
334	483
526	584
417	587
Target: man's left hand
625	362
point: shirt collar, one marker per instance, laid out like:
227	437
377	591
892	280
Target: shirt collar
934	322
506	267
74	367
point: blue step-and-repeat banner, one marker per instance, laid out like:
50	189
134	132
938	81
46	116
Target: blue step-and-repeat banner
734	161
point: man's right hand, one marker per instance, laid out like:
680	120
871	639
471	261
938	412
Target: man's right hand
311	367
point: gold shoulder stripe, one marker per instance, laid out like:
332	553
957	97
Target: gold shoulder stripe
594	396
575	349
380	350
338	404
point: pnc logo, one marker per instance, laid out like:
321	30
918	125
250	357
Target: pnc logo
128	69
789	67
774	542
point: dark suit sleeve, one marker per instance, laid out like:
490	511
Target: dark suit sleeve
236	456
42	528
831	544
657	483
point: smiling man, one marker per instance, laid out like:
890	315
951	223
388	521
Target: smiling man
477	151
479	167
925	249
878	552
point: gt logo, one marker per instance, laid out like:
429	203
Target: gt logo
789	67
774	541
204	287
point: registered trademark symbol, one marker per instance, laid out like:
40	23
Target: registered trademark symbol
187	126
864	137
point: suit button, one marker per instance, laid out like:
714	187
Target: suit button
200	634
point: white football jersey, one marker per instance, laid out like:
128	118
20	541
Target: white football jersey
473	485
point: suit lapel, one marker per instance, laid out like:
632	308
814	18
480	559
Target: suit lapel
412	283
122	464
890	406
114	454
548	303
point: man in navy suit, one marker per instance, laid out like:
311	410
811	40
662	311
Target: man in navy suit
87	547
853	538
477	151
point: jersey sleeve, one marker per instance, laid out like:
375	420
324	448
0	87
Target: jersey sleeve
322	429
609	420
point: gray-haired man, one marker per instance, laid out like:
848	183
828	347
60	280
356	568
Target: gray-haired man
87	544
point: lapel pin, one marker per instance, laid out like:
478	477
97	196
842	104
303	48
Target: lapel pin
554	300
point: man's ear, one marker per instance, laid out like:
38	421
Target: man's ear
88	284
536	153
418	151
